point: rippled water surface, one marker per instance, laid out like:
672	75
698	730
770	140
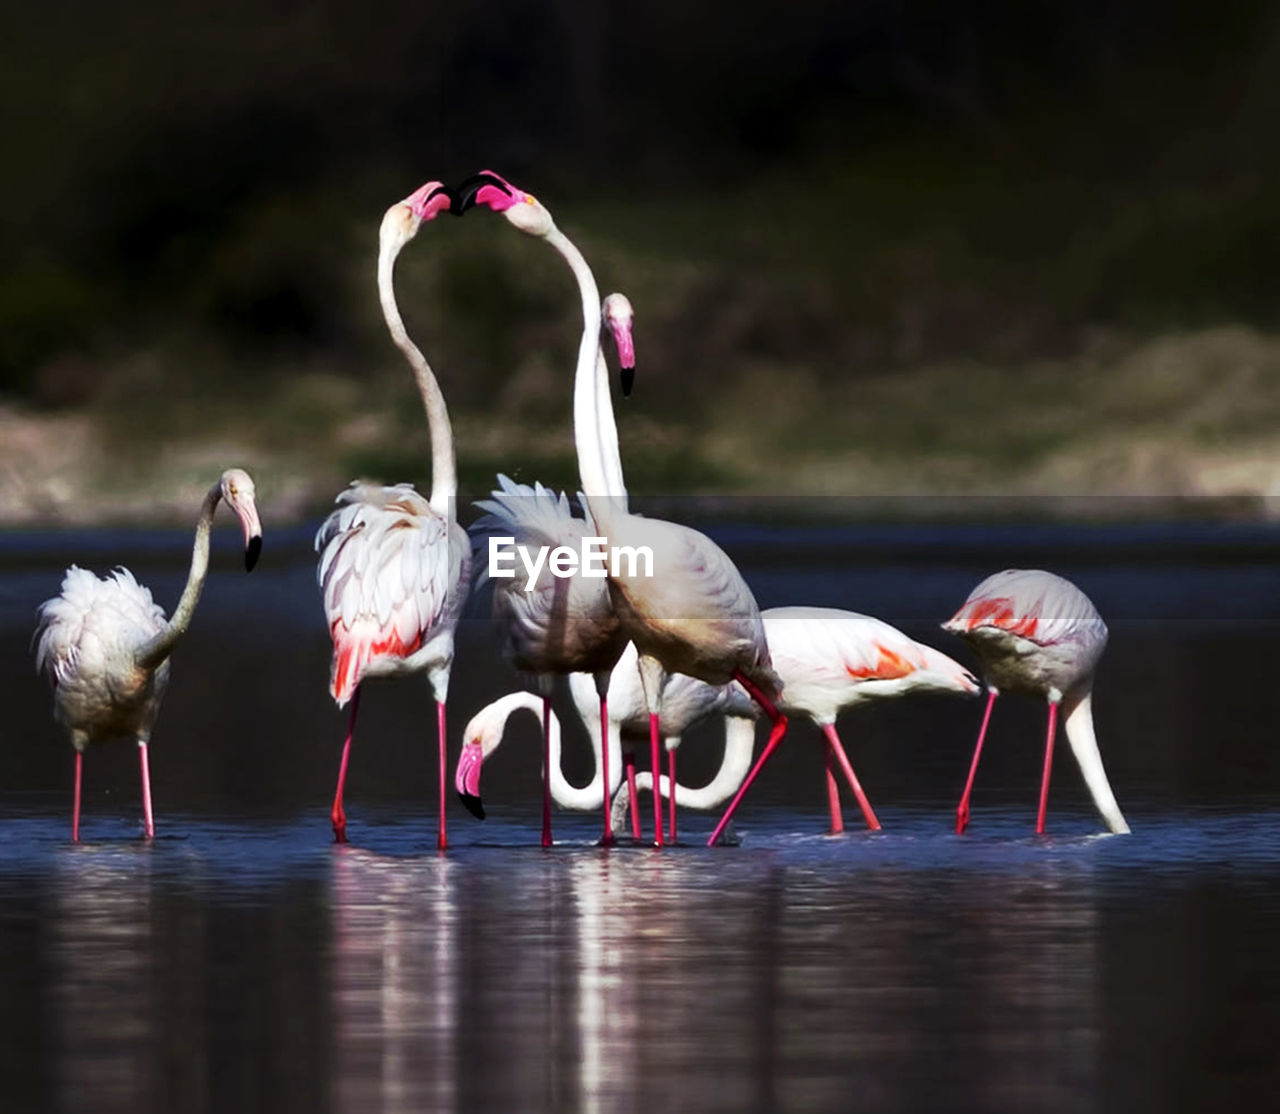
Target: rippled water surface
242	962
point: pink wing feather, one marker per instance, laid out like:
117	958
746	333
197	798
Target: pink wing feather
384	573
1034	604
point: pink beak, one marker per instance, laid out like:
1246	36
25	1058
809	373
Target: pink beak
429	200
466	778
621	331
248	515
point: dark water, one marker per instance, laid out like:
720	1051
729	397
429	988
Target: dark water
243	963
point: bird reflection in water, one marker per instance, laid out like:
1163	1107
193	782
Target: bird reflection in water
102	961
393	982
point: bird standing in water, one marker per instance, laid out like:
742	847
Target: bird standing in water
104	644
1039	634
395	567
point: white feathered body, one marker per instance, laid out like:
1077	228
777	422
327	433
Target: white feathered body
565	624
831	659
695	614
87	640
394	574
1034	631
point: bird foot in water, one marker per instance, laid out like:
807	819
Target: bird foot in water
729	837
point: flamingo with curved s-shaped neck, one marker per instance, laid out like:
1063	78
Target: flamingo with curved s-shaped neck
685	702
557	625
104	644
1038	633
690	611
395	567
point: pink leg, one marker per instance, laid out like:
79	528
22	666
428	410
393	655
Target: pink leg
655	765
837	749
442	841
607	840
833	792
962	810
671	800
147	819
775	737
336	815
629	760
546	771
1048	767
75	801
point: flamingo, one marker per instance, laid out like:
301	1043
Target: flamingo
104	644
1039	634
831	661
559	625
690	611
394	567
685	702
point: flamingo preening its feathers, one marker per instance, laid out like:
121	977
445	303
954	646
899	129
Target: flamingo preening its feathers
104	644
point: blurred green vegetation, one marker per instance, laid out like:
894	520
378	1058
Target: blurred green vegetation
885	246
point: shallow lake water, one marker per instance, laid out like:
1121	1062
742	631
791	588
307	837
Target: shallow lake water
243	962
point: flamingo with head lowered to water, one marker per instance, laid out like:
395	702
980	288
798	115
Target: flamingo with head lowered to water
1039	634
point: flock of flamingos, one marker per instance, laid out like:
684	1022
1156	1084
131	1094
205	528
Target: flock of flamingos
654	653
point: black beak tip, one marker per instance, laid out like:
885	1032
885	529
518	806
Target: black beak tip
628	381
472	804
251	552
464	196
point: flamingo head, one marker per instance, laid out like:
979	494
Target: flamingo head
466	778
522	209
481	737
401	222
236	487
617	315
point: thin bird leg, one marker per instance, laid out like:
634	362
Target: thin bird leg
962	810
656	766
442	841
633	797
607	839
833	741
671	798
546	771
1048	766
147	819
75	800
833	791
775	737
336	815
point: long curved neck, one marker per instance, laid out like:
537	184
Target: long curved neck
610	450
1078	711
566	794
444	475
739	743
154	651
596	461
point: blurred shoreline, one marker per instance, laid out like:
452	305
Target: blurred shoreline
1184	425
